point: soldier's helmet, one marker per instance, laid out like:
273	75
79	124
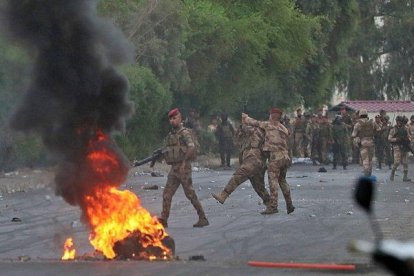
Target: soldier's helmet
399	118
412	117
363	112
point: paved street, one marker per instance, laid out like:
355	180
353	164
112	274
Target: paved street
324	221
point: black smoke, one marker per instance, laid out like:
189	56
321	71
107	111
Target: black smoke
75	89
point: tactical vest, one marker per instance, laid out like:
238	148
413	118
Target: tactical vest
401	133
176	147
226	131
367	129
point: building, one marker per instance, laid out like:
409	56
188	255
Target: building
393	108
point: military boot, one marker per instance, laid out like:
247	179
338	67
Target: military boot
163	222
221	197
202	221
405	178
269	210
290	208
392	175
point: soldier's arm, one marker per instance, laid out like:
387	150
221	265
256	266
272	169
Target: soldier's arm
356	130
391	137
188	140
252	122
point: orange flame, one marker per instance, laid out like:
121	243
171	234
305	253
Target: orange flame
114	214
69	251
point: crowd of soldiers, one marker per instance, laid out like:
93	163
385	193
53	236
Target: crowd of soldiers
354	136
270	145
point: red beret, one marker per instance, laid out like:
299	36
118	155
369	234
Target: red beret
276	110
173	112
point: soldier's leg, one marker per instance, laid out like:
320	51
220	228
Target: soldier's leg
284	186
404	159
301	146
397	160
228	155
189	192
222	155
335	150
365	160
273	172
344	156
370	157
258	184
170	188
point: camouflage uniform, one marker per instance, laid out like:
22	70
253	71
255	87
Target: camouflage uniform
389	159
177	143
312	134
379	142
252	164
324	139
276	148
225	133
398	134
340	137
298	136
363	134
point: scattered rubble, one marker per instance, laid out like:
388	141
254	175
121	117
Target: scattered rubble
196	258
15	219
150	187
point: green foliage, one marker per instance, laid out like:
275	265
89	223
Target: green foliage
151	101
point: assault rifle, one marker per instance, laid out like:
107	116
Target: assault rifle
156	155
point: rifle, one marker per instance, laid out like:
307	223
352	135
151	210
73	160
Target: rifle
156	155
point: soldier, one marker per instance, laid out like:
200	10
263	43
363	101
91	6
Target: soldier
340	135
276	149
299	128
379	141
225	133
291	142
387	146
356	158
312	135
324	138
252	162
399	140
180	151
363	135
411	130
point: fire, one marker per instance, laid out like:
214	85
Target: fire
113	214
69	251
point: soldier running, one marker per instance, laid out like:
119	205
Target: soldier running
400	142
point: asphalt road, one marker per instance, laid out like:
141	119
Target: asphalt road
325	220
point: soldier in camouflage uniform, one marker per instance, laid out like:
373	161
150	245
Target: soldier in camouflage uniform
252	164
225	133
312	135
340	135
379	141
363	135
299	128
324	139
276	149
399	140
387	146
180	151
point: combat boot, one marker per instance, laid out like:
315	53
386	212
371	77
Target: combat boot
163	222
269	210
202	221
392	175
405	178
290	208
221	197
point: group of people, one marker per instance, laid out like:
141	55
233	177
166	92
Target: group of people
263	146
269	146
356	136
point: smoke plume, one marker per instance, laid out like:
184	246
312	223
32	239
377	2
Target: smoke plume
75	90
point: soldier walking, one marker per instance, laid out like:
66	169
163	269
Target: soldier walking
252	164
324	138
400	142
379	142
387	146
276	149
312	135
180	150
363	135
340	136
